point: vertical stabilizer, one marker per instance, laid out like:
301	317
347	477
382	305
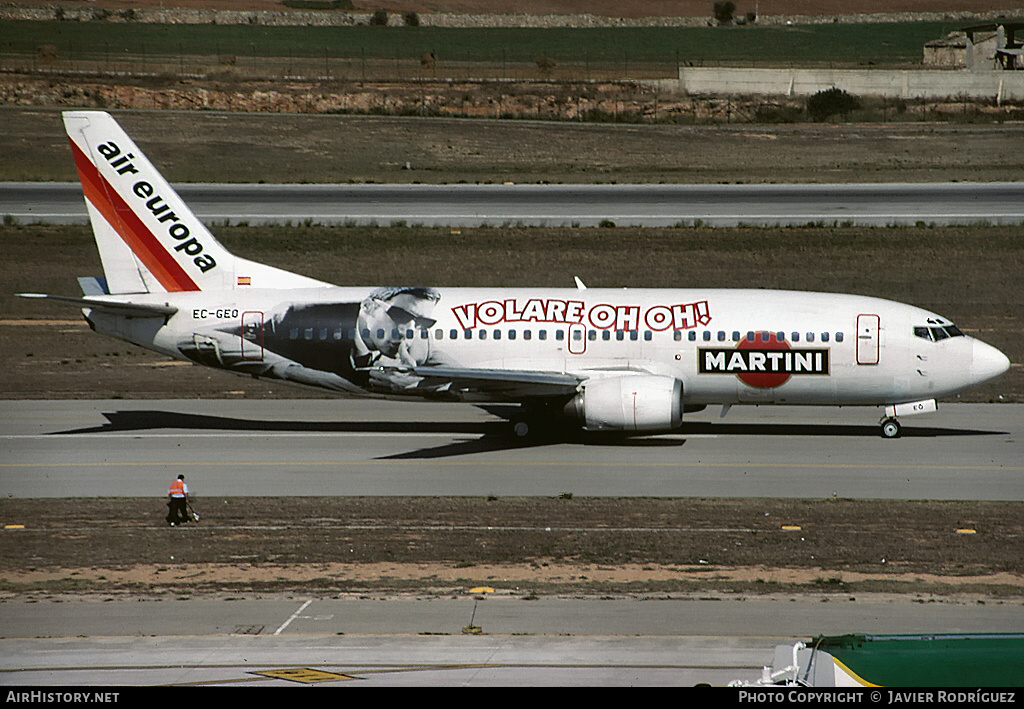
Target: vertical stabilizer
149	241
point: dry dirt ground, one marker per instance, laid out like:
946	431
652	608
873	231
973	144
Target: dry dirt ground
517	545
204	146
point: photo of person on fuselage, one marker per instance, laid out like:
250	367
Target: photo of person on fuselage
367	343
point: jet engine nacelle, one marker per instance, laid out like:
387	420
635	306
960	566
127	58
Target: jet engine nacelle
640	402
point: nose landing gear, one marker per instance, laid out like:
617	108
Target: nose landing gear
890	428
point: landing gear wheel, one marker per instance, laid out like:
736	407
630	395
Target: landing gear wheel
890	428
521	429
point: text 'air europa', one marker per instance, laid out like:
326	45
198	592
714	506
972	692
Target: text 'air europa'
681	316
186	242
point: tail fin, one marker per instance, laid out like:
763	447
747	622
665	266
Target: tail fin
149	240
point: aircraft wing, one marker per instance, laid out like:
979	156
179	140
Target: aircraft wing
508	384
139	310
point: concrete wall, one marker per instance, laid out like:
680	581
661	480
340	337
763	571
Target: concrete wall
893	83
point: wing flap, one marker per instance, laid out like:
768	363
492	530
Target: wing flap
509	384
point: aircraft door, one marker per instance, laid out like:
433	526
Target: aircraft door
867	339
252	336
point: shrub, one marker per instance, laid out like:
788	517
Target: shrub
411	19
830	102
723	10
773	113
545	64
379	18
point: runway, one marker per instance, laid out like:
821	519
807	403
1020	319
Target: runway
559	205
342	447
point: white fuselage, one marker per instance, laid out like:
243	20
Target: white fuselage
725	346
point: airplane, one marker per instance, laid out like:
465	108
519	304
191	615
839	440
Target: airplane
624	360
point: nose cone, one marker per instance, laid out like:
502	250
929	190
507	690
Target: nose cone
987	362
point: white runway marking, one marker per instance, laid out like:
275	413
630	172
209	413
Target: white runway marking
295	615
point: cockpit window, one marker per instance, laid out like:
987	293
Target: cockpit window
936	333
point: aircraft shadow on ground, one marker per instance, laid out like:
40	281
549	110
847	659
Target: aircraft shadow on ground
493	435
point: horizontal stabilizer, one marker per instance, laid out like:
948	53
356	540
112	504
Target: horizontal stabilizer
139	310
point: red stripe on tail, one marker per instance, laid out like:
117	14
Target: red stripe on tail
130	227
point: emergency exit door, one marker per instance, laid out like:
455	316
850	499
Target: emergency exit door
252	336
867	339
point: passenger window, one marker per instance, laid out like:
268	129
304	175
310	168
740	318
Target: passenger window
750	336
810	337
780	336
606	335
410	334
592	335
511	334
527	334
323	333
577	335
619	335
439	334
497	334
468	334
483	334
721	335
633	334
736	336
707	336
839	337
337	333
559	334
647	335
795	337
824	337
309	333
542	334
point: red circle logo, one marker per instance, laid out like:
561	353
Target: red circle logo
765	379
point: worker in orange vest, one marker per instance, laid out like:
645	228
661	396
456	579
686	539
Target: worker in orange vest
178	494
